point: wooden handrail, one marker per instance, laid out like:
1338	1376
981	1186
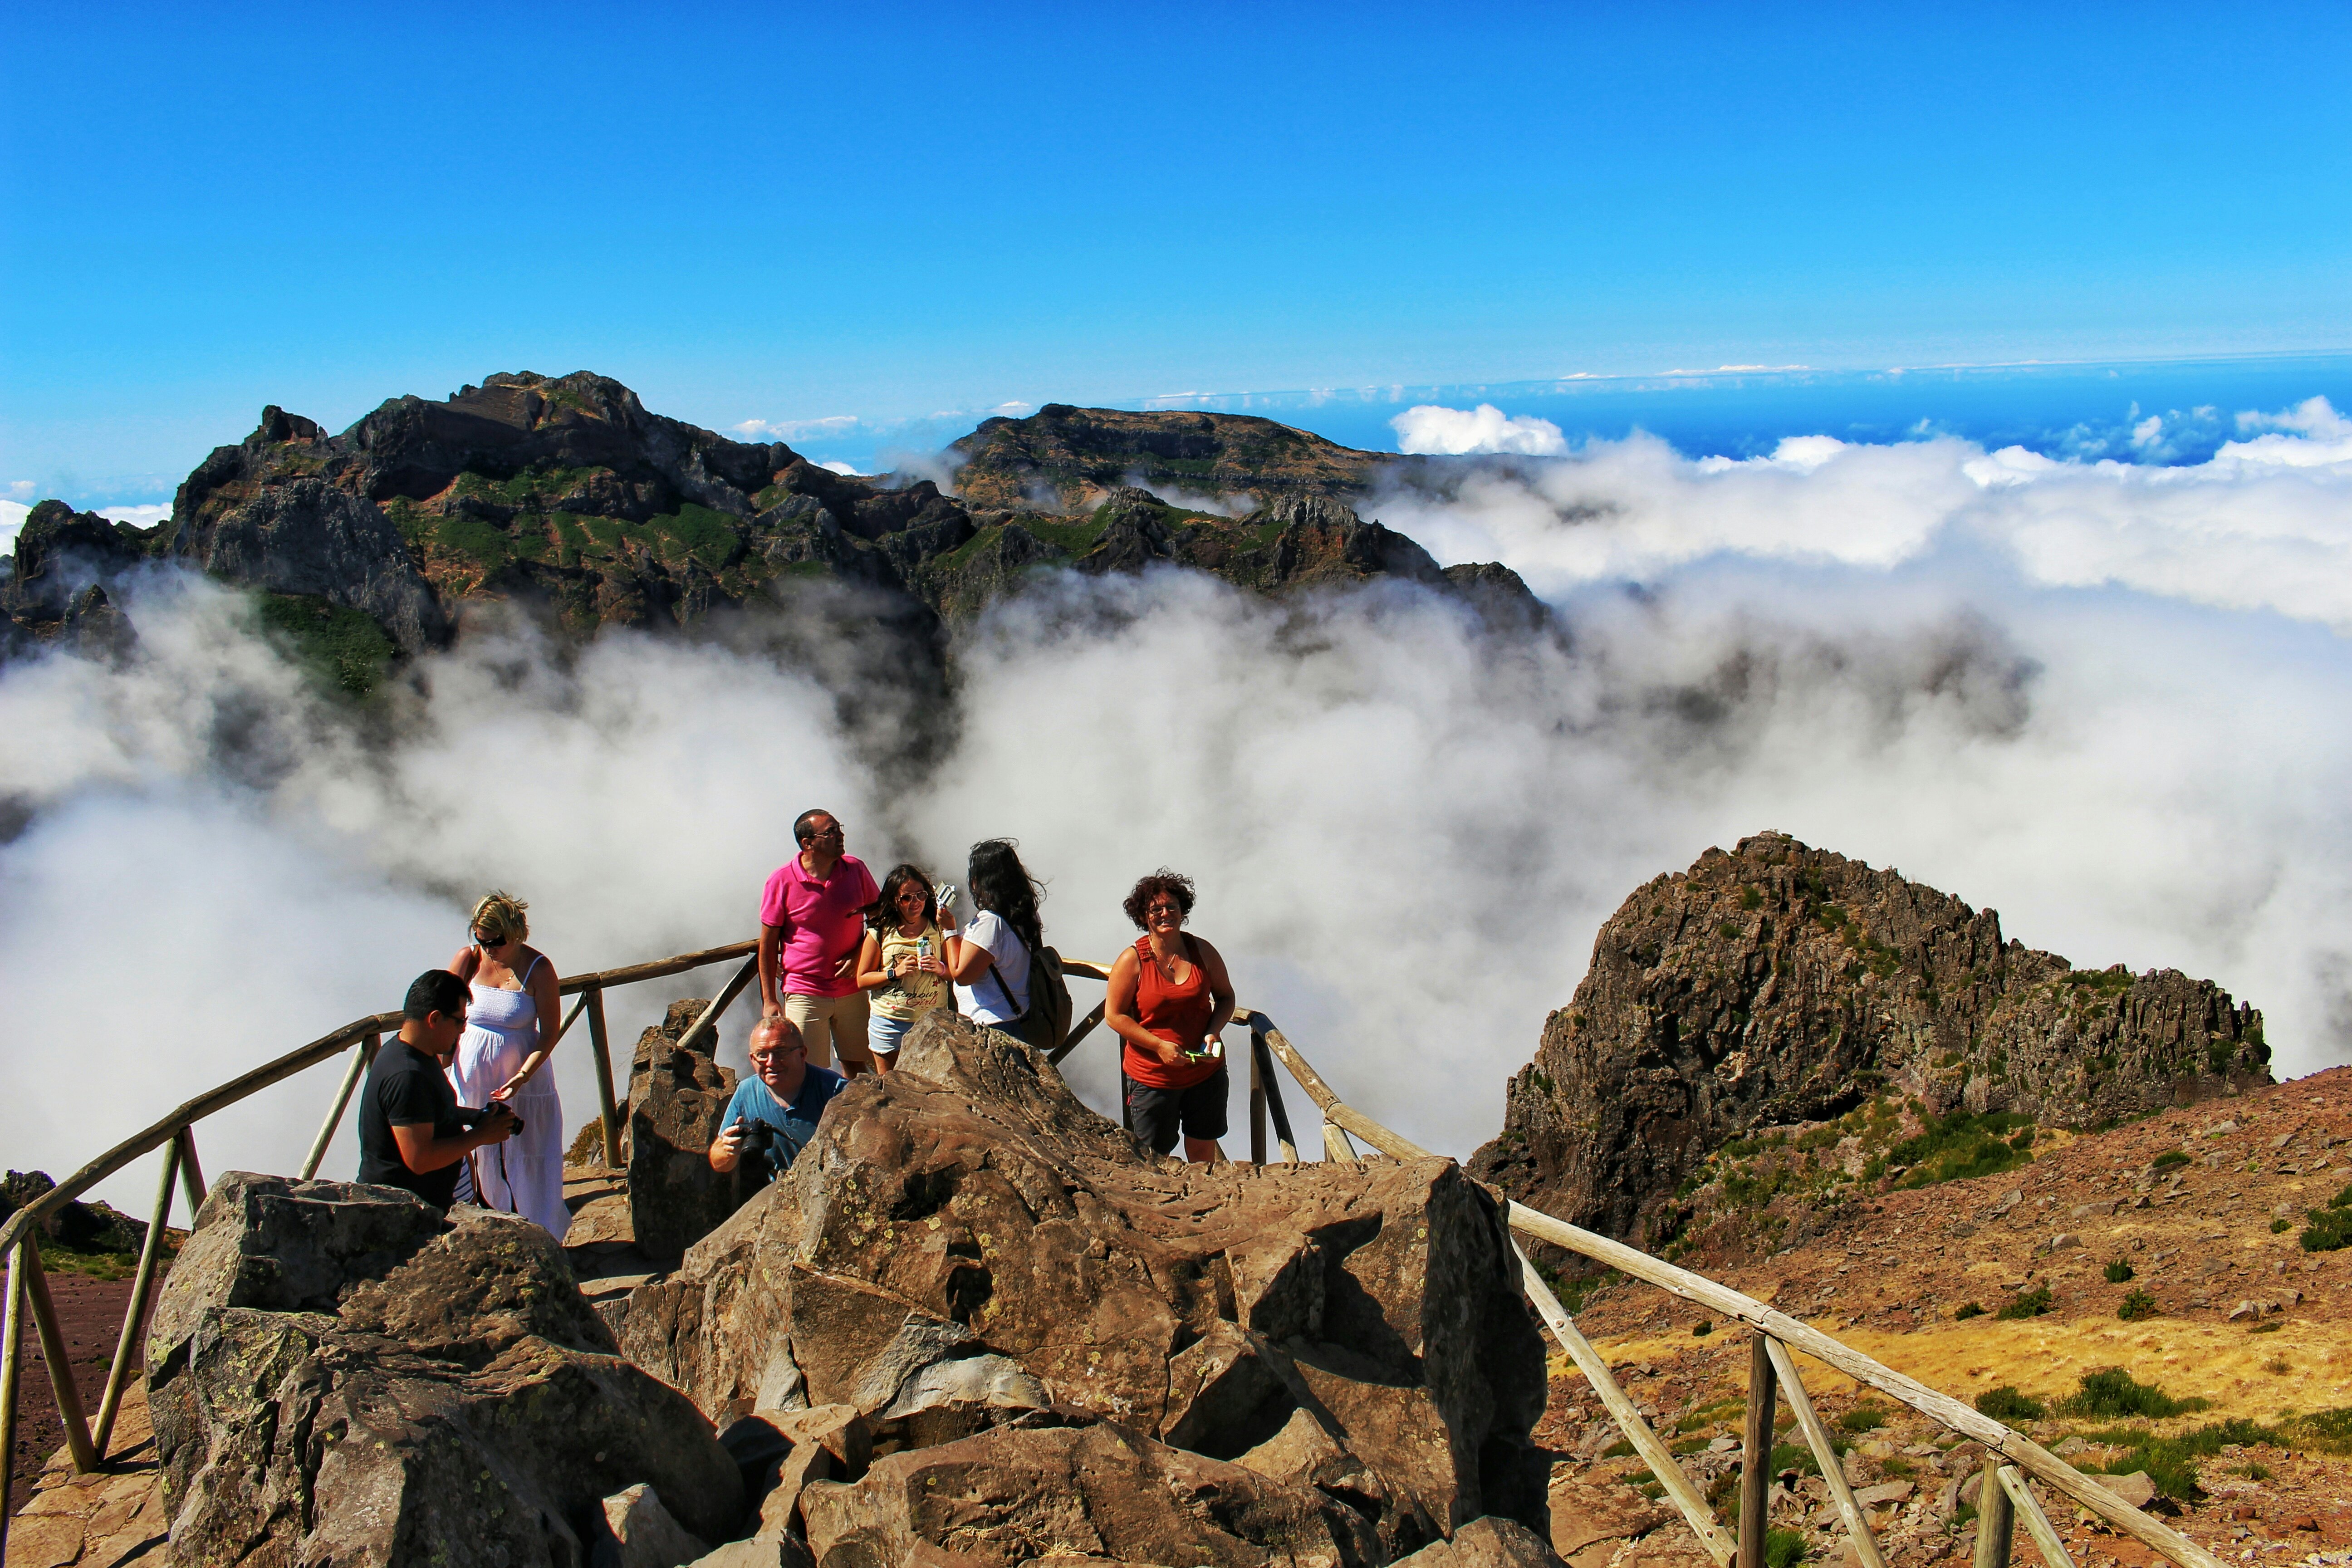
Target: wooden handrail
154	1137
2015	1448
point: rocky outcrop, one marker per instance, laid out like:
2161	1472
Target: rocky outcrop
564	493
337	1375
57	594
964	1247
1100	1493
76	1226
1782	985
1063	459
301	534
678	1101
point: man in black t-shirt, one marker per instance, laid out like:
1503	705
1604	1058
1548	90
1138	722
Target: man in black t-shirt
410	1135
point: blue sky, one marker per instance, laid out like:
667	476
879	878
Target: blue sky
789	214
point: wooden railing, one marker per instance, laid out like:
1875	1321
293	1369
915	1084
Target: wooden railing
27	1288
1774	1337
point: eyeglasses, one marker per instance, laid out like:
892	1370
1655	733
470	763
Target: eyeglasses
1176	909
835	831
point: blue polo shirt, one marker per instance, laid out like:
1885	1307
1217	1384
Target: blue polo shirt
795	1123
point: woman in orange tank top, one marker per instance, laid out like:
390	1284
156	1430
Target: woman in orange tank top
1168	998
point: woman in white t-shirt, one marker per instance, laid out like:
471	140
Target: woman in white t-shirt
989	961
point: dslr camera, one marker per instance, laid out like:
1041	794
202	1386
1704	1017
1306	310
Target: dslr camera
469	1118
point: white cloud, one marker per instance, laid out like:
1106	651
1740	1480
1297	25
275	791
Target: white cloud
12	518
138	516
2311	435
850	469
791	430
1406	832
1433	428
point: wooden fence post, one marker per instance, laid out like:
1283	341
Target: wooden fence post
602	1052
1258	1112
142	1287
1996	1522
12	1358
192	1176
2037	1523
1756	1455
363	1056
1817	1436
53	1351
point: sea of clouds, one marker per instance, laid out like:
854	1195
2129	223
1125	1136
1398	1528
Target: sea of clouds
2109	699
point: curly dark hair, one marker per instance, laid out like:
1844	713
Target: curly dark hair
882	914
999	883
1175	884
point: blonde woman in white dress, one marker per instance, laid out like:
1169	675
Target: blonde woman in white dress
504	1055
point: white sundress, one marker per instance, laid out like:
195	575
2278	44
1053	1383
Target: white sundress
524	1174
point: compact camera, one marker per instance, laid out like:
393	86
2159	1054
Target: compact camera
467	1117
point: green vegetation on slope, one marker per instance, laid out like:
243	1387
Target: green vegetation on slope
343	647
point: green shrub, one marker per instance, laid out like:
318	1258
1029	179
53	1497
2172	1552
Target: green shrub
2033	1303
2170	1158
1618	1449
2112	1391
2006	1403
1794	1457
2170	1462
1968	1310
1955	1147
1701	1329
2330	1431
2330	1230
2279	1224
1783	1547
1863	1418
2118	1271
2136	1306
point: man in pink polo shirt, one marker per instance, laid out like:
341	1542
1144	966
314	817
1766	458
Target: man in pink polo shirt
812	924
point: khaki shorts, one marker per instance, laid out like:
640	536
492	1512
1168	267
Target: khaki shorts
831	1026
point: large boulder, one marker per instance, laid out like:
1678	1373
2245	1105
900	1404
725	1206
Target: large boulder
336	1374
677	1099
964	1243
1099	1493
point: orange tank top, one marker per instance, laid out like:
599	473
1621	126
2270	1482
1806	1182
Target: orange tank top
1178	1012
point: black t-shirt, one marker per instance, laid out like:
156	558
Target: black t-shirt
405	1088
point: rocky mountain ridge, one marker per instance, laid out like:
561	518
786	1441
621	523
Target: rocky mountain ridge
1780	986
566	493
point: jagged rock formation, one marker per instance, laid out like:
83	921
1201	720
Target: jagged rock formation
78	1227
678	1099
55	596
565	493
1780	984
336	1377
964	1247
1062	459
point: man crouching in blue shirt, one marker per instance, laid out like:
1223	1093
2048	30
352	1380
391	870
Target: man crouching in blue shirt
775	1110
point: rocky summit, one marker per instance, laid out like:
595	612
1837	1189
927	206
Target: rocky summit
566	494
1062	458
979	1267
974	1324
1875	1023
